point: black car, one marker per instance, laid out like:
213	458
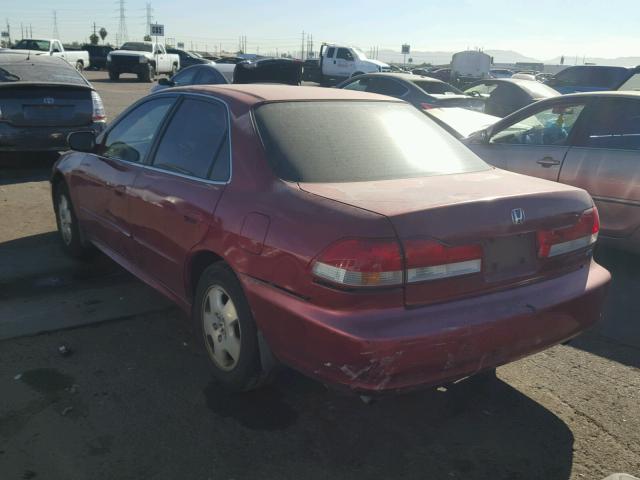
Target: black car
43	99
503	96
422	92
188	59
269	70
97	55
590	78
208	74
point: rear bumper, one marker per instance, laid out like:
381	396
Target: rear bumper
40	139
400	349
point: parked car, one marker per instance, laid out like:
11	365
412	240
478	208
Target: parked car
421	264
421	71
144	59
232	60
590	78
204	74
98	55
500	73
422	92
443	74
42	100
503	96
53	47
187	58
591	141
269	70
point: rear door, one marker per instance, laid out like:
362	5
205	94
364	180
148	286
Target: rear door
178	191
103	184
535	144
605	161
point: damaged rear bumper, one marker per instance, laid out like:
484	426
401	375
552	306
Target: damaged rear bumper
399	349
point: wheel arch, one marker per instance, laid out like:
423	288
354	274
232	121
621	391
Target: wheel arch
196	265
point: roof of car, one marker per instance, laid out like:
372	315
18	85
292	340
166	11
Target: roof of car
613	93
410	77
254	93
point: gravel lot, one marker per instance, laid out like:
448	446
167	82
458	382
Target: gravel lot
135	399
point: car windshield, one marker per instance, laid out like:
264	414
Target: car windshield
39	72
137	46
436	88
354	141
28	44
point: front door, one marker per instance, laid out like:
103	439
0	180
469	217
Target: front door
535	145
177	193
345	62
605	161
105	179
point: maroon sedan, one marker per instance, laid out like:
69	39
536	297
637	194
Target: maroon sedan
341	233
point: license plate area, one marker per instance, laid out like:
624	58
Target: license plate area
509	257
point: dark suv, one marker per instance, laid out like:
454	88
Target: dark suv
590	78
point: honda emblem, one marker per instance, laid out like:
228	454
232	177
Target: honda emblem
517	216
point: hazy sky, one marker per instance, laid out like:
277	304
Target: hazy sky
538	28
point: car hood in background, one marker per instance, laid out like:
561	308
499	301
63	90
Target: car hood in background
460	121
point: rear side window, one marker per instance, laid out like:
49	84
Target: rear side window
210	76
352	141
613	124
386	86
185	77
330	52
194	140
133	135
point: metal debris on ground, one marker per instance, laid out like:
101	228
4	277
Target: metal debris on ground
65	350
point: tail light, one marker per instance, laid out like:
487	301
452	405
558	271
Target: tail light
361	262
99	114
427	106
428	260
564	240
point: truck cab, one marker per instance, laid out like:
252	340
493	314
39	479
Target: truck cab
53	47
340	62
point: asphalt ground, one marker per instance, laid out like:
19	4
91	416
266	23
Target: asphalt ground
134	398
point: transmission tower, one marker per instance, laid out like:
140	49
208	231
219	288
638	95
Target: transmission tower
122	28
149	18
55	25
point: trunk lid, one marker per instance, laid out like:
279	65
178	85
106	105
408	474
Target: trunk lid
40	105
470	209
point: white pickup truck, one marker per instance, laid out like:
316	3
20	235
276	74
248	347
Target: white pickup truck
338	63
145	59
53	47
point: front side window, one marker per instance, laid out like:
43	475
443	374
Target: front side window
359	85
356	141
613	124
131	138
195	140
551	126
344	54
185	77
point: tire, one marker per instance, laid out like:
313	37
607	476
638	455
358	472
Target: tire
174	69
150	75
114	76
67	222
79	66
228	335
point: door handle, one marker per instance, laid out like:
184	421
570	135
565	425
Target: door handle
548	162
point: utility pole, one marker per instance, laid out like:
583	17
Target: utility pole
122	27
21	31
55	25
302	47
9	32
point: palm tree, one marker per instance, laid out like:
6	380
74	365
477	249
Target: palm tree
103	33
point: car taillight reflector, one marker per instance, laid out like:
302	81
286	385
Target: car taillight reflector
564	240
361	262
427	260
427	106
99	114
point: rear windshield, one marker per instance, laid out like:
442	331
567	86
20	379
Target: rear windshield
351	141
29	44
602	77
58	72
436	88
137	47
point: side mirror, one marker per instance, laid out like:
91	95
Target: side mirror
82	141
167	82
